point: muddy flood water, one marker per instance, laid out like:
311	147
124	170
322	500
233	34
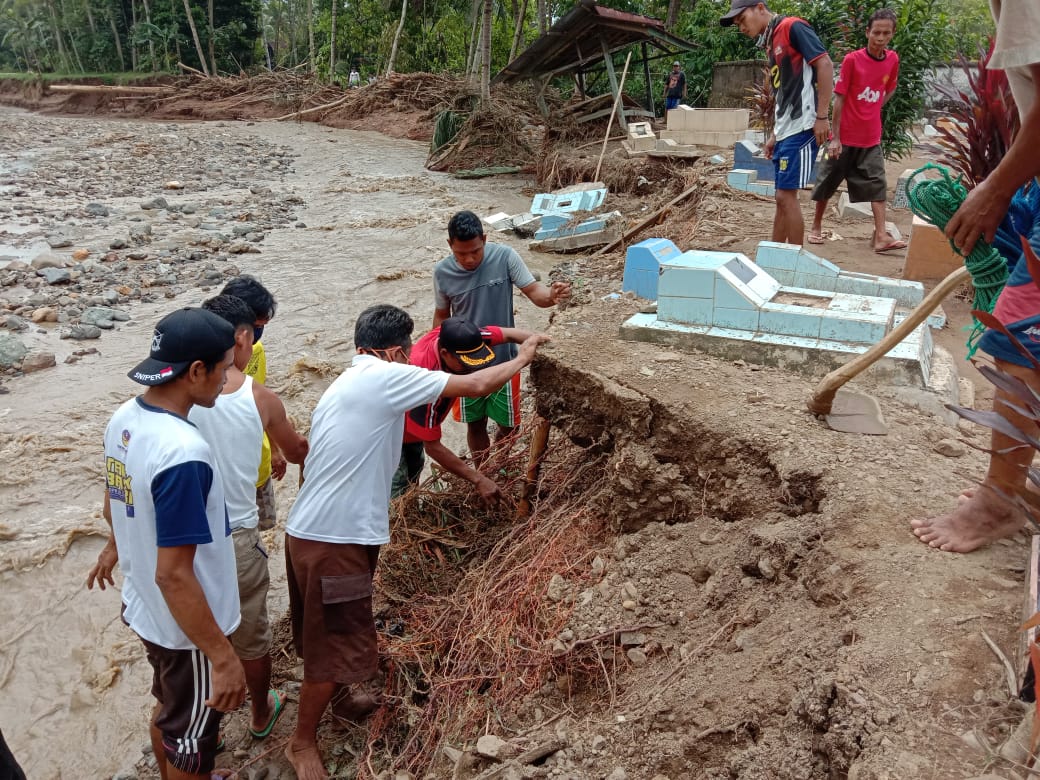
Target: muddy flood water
342	219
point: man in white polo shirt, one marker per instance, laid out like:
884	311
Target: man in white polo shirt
341	516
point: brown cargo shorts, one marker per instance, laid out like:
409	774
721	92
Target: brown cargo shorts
330	605
252	638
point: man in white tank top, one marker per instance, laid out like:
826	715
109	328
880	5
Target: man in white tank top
234	428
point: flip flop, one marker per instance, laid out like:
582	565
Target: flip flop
893	244
279	705
816	238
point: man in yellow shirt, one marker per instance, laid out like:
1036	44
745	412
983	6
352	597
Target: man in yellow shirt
272	464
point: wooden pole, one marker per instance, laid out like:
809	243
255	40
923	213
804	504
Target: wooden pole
539	441
617	99
609	62
648	221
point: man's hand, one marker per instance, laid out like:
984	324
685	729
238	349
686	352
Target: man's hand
530	346
834	149
489	490
979	216
821	129
277	465
229	683
101	572
559	291
767	147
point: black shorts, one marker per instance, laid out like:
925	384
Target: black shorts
862	168
181	683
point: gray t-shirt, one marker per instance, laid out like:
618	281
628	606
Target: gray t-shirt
483	296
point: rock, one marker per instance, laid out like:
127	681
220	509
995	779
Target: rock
766	568
632	638
44	314
152	204
14	322
744	640
490	746
629	605
598	741
700	574
242	248
37	361
101	316
629	592
618	774
55	275
97	209
82	332
47	260
173	185
116	243
110	296
12	350
557	589
951	448
79	255
636	656
57	242
598	566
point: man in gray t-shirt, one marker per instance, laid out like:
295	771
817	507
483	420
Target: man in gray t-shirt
475	282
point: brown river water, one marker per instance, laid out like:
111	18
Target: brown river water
73	679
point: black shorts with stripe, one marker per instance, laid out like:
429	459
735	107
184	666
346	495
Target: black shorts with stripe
181	683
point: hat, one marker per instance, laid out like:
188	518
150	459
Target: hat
466	341
181	338
736	7
676	63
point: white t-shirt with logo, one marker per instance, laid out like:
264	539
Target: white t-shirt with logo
165	490
355	446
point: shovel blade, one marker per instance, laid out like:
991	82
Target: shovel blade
856	413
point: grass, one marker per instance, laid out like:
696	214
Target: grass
104	78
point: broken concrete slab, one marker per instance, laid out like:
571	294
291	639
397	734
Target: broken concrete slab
848	209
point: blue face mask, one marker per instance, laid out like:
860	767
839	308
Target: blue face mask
257	333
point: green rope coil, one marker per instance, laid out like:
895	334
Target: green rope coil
937	200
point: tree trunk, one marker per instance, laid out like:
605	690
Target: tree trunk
115	37
518	32
63	56
90	17
543	19
292	34
130	37
332	45
397	39
72	38
673	14
212	56
176	37
474	39
485	52
151	43
310	35
195	37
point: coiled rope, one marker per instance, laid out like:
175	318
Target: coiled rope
937	200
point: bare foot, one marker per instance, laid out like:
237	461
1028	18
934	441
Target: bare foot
306	762
981	517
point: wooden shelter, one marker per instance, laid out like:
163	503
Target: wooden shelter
582	43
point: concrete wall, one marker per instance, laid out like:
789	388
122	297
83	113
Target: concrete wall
730	80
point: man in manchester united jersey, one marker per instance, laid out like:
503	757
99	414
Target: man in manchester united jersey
802	79
853	154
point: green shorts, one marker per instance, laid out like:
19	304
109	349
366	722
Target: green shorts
502	406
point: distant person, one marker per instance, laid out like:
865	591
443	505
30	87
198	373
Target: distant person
164	501
475	282
802	81
372	79
456	347
354	80
234	427
272	463
341	516
853	154
674	87
1002	209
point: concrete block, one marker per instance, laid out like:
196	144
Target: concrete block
569	199
929	254
849	210
717	159
852	328
728	297
643	266
899	199
636	129
738	319
893	231
666	144
681	137
643	143
773	255
788	320
498	221
764	188
678	118
746	151
740	178
719	138
691	311
680	282
717	120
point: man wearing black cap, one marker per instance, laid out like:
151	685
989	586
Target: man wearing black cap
674	87
802	79
165	503
456	347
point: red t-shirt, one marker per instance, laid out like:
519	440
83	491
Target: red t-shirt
864	82
423	423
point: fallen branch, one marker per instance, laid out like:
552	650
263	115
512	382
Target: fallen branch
536	753
1009	670
656	216
322	107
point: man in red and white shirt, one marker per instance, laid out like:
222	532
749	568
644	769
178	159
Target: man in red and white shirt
853	154
456	347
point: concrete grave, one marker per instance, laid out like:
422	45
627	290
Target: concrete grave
643	266
579	197
722	303
747	155
747	180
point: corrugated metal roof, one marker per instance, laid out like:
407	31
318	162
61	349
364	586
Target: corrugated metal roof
578	38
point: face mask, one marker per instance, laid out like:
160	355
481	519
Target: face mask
257	333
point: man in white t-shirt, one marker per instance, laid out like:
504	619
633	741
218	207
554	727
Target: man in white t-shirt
341	516
164	500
